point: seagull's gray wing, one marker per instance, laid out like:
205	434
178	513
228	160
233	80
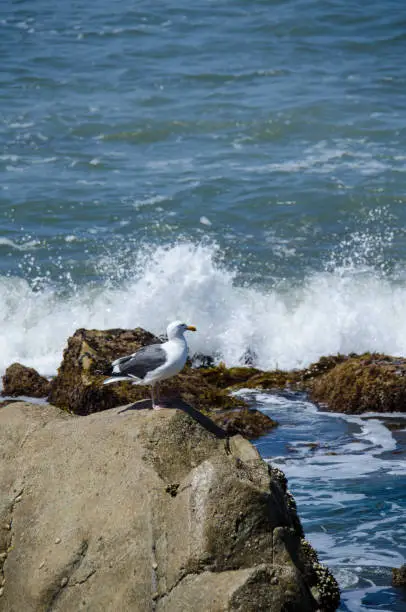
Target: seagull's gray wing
147	359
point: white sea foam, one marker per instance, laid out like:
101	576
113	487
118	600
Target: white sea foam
331	312
335	157
150	201
332	467
205	221
353	600
24	246
333	498
376	433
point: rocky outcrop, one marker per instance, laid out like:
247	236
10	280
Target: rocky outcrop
20	380
354	383
248	422
399	576
79	388
363	383
146	510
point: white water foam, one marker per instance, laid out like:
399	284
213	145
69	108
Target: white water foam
347	500
335	311
353	599
24	246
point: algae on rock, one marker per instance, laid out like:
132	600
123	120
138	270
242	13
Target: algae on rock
79	387
363	383
21	380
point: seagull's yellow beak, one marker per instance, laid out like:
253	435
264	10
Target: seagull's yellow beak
191	328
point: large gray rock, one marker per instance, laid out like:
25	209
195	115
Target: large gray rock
140	510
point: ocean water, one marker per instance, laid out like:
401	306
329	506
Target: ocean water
348	475
239	165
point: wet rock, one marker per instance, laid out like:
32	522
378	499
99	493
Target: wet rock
323	585
79	388
363	383
21	380
248	422
193	388
165	519
223	377
274	379
399	576
286	379
299	380
323	365
199	360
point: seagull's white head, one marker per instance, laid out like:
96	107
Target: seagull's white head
177	329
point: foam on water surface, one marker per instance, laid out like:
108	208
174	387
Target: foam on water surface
348	476
281	325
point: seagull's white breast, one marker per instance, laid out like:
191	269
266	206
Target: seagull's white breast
176	351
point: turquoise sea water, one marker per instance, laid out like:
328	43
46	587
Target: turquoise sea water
240	165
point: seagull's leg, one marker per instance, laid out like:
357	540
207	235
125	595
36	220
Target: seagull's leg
154	405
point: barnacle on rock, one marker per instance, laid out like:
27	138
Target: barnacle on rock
324	586
277	474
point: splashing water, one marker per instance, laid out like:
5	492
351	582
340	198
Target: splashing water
342	309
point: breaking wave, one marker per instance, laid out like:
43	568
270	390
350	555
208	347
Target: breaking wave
342	309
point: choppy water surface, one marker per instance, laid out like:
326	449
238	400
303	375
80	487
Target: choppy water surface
237	164
348	476
240	165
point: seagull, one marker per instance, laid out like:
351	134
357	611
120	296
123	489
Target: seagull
151	364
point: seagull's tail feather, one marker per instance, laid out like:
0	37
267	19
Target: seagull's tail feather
113	379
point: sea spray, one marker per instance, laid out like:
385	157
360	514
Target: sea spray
344	310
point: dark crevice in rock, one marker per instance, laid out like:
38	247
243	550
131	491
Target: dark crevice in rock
181	578
9	540
83	580
172	489
154	579
64	576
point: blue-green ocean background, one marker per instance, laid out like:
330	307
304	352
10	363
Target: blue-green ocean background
239	165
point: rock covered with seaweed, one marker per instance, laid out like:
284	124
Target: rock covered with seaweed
19	380
78	386
354	383
363	383
399	576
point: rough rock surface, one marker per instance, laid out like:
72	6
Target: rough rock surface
363	383
20	380
145	511
79	384
250	423
399	576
